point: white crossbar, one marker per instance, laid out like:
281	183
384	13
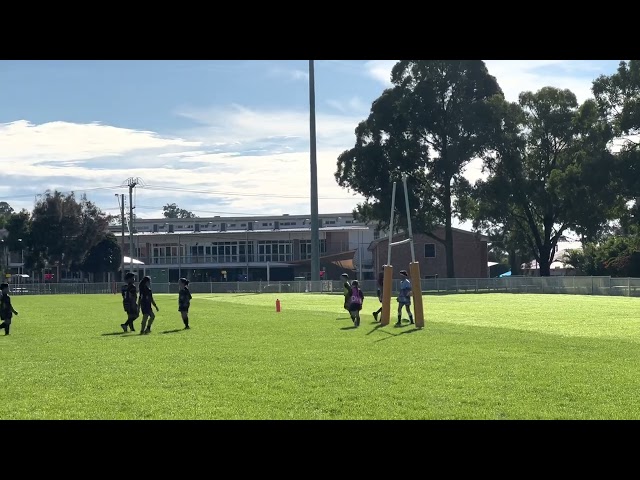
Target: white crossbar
406	240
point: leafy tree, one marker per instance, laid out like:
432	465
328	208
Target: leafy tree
618	99
429	125
18	227
105	256
5	213
65	229
547	155
171	210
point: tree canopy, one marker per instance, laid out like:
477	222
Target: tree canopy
429	126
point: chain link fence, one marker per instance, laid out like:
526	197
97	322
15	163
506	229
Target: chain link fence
629	287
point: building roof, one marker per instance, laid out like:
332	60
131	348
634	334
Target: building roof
245	231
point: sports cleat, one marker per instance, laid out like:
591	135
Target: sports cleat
148	330
124	327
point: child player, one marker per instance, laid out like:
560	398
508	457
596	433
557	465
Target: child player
356	297
6	309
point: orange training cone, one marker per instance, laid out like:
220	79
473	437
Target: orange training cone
277	305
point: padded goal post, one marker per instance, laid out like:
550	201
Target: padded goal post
414	267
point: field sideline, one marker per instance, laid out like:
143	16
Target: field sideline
488	356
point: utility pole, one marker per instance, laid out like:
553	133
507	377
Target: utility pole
122	220
132	183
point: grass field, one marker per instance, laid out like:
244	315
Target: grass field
489	356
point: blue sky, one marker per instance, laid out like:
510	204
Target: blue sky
216	137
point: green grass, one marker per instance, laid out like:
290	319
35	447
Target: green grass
489	356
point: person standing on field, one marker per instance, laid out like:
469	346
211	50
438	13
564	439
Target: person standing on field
184	302
404	298
129	301
346	288
379	292
145	300
356	298
6	309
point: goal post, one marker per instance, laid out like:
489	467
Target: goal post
414	267
387	291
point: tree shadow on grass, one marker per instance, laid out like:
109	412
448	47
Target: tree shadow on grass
352	327
397	331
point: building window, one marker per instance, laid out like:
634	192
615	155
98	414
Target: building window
429	250
376	234
305	248
265	224
275	251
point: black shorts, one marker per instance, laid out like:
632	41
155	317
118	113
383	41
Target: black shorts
183	309
146	309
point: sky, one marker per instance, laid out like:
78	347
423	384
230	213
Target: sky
215	137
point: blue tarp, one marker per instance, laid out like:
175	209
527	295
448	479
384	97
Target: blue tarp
505	274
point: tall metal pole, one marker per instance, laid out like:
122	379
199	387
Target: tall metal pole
393	209
406	202
315	234
122	220
132	184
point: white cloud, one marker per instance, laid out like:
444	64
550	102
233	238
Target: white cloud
246	126
354	105
515	76
26	143
380	70
292	74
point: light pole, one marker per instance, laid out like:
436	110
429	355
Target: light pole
5	262
315	234
21	270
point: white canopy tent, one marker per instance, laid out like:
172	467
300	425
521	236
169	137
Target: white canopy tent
127	261
137	265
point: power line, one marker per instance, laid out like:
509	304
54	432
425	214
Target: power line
76	190
213	192
238	214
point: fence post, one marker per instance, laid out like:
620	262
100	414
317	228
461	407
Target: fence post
591	284
628	286
476	285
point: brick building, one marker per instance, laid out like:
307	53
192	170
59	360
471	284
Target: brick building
470	254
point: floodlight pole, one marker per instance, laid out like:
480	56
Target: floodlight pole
315	234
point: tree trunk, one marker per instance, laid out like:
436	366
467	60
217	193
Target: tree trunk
514	262
448	232
545	262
